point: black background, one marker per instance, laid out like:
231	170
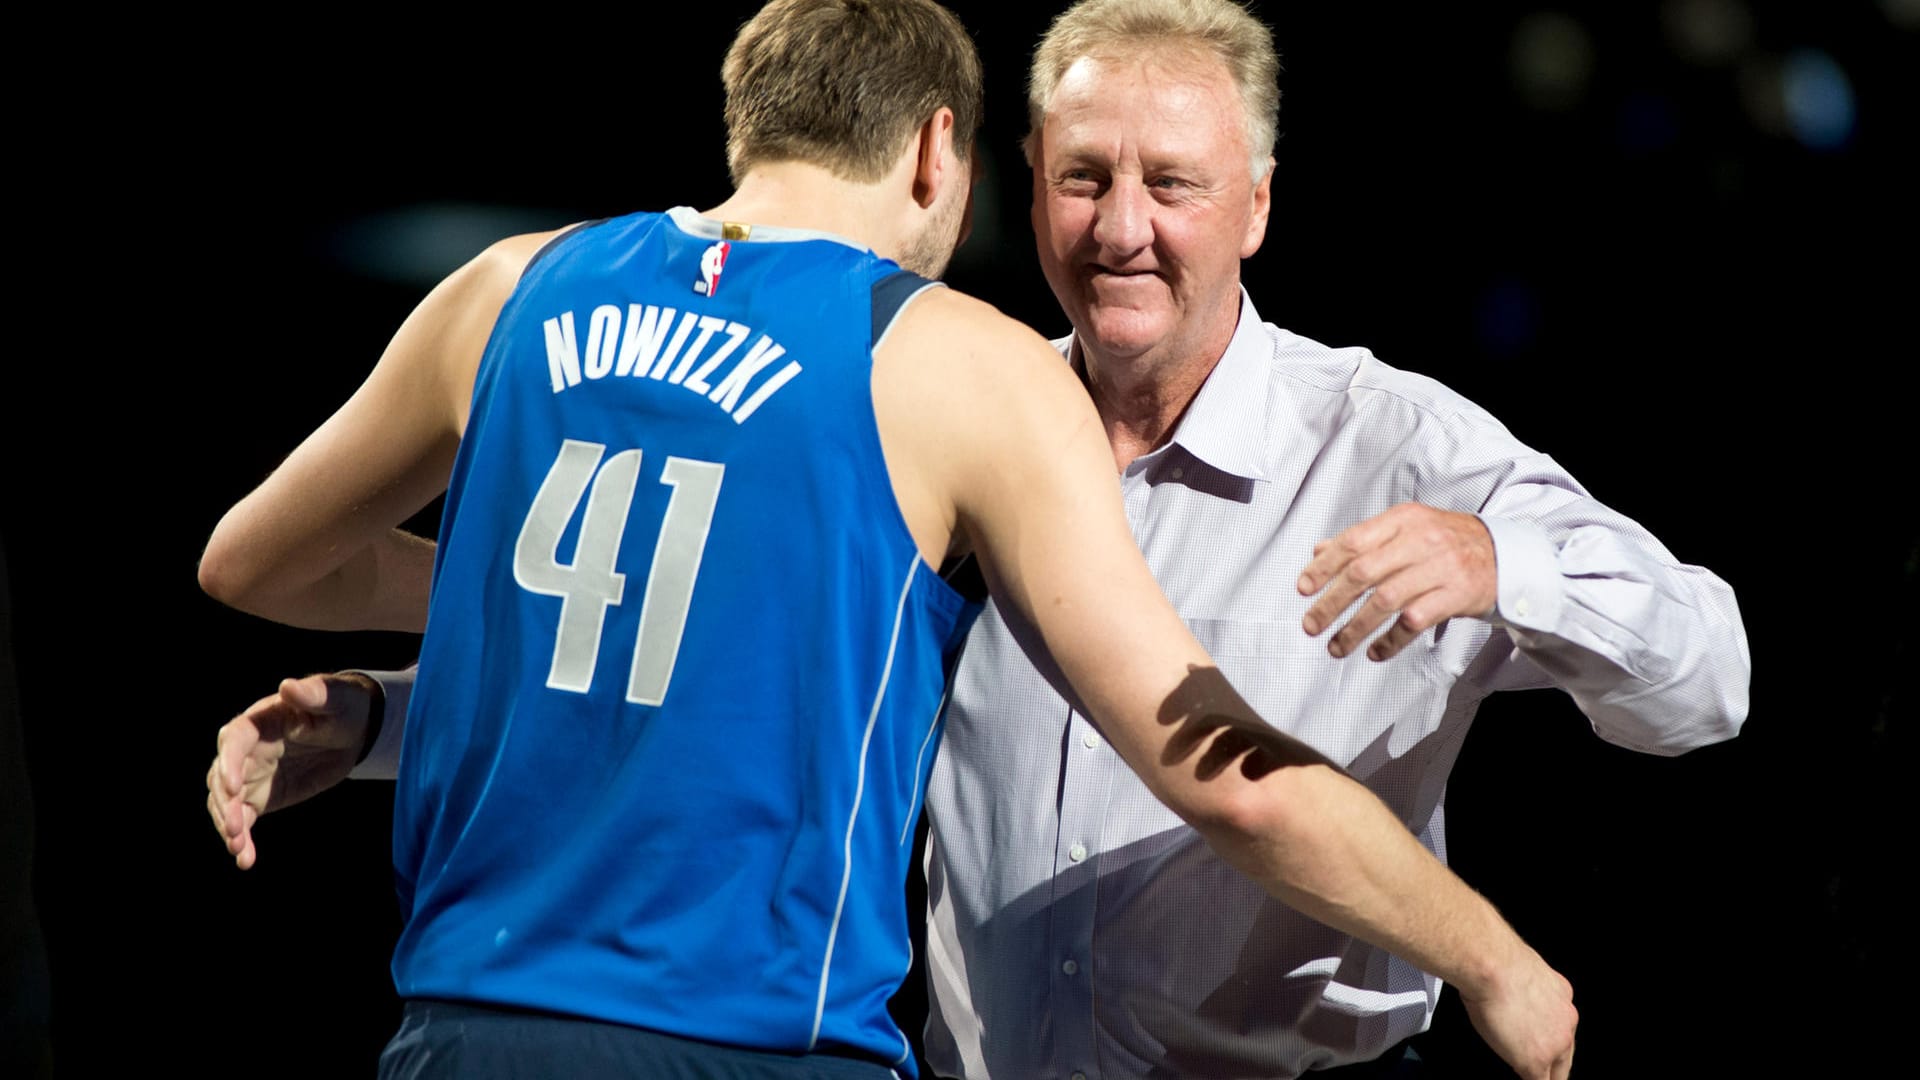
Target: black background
1701	317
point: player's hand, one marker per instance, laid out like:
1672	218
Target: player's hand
1427	565
288	746
1528	1019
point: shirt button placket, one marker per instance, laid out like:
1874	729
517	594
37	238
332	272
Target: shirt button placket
1083	798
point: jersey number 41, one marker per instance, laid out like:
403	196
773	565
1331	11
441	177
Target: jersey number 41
590	585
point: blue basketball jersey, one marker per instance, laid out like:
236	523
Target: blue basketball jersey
683	665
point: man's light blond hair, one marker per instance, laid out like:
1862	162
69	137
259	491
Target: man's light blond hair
1115	28
844	83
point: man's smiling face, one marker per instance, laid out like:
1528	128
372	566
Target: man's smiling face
1144	203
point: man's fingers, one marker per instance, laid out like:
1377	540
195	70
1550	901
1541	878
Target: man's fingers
1424	612
235	758
1408	589
1445	550
239	736
240	819
233	823
231	817
309	694
1424	592
247	756
1331	557
227	823
1328	557
220	787
1389	644
215	813
1358	573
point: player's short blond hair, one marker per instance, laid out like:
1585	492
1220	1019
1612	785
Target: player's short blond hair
844	83
1220	28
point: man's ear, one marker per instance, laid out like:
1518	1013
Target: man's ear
1257	223
933	158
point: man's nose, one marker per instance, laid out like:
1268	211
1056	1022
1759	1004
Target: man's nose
1123	219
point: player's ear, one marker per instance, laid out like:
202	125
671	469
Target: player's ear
936	161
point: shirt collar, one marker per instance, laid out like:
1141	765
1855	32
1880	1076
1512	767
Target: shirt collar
1225	427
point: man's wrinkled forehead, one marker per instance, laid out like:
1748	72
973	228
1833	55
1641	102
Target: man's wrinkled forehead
1191	100
1168	64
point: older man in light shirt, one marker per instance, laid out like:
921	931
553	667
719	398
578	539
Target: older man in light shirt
1078	928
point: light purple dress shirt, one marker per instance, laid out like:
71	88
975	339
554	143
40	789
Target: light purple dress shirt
1078	929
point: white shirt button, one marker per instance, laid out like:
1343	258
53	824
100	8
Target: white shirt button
1077	852
1069	967
1522	608
1089	740
1079	1076
1178	473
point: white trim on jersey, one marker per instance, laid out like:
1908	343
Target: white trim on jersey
859	790
906	828
891	323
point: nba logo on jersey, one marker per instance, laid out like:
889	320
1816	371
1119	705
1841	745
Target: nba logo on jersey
712	261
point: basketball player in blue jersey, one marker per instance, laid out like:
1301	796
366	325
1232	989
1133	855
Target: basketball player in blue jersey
685	642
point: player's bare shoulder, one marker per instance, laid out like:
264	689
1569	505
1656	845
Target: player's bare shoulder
489	278
437	350
945	326
958	354
467	301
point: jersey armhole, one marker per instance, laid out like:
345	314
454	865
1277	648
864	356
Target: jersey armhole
554	241
891	295
960	580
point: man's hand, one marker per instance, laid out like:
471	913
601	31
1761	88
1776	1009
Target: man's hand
1428	565
1528	1019
288	746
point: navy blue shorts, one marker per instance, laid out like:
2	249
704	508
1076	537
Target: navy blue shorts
442	1040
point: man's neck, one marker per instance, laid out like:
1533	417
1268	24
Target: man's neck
797	195
1141	399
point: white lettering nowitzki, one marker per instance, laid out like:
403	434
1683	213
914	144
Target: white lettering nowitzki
643	341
